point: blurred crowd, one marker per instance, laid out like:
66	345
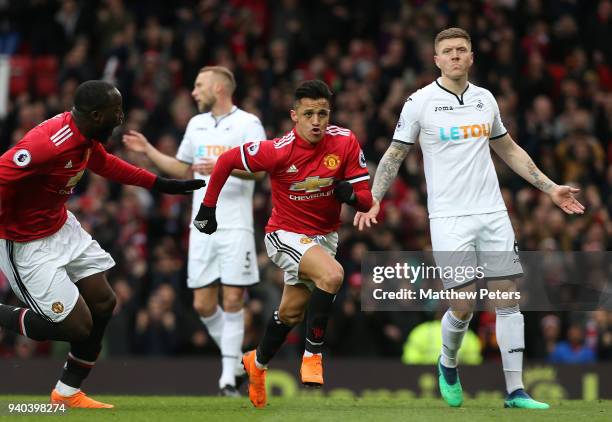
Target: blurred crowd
549	64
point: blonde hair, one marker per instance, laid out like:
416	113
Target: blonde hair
452	33
225	73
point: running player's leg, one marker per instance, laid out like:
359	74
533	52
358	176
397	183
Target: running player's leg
83	355
291	312
327	274
86	265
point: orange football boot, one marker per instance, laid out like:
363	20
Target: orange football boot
257	380
312	370
78	400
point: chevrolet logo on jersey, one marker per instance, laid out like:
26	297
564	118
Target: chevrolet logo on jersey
312	184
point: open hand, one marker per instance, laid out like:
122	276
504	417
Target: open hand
204	166
135	141
367	218
563	197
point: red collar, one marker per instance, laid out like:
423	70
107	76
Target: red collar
303	143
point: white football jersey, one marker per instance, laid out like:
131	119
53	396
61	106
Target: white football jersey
209	137
454	134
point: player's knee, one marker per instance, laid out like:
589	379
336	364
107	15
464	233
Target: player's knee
290	317
204	308
105	306
77	326
232	302
331	281
81	331
462	314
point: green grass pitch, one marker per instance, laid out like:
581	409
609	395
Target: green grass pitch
316	409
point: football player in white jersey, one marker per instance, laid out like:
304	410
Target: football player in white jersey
228	257
456	122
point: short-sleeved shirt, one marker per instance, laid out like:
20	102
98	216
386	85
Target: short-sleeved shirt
209	137
303	176
454	133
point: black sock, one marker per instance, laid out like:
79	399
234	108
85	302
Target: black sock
319	308
83	355
28	323
273	339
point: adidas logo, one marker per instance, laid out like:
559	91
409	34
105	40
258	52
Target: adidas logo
292	169
68	164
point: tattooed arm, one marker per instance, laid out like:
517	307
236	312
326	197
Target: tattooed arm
385	174
388	167
519	161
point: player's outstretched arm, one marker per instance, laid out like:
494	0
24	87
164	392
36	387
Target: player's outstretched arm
385	174
207	165
115	169
519	161
137	142
205	221
177	187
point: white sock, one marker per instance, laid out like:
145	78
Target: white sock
510	333
214	325
453	330
239	370
66	390
231	346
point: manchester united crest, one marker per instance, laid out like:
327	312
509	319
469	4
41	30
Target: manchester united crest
57	307
331	161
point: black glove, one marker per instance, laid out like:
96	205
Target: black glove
344	193
173	186
205	221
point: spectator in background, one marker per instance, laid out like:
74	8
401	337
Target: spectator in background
156	331
602	320
573	350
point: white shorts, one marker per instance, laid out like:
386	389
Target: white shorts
227	254
43	272
286	249
484	240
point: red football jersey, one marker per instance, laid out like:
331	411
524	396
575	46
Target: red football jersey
303	175
40	172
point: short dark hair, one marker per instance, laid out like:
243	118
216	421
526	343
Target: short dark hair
93	95
313	89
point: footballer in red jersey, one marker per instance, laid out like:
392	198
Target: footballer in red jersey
313	170
52	264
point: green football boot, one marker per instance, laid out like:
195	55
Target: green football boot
519	399
451	393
